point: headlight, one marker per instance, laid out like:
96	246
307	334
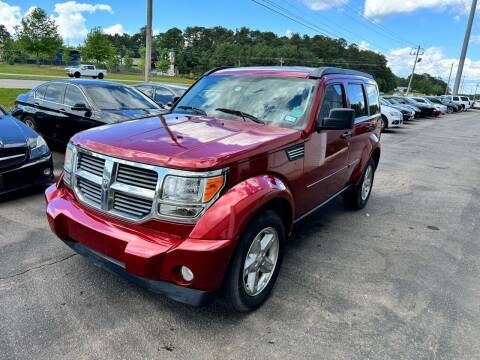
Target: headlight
38	147
68	165
188	196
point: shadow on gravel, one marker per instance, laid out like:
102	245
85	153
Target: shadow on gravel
23	193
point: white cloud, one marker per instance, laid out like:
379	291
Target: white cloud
10	16
288	33
71	21
324	4
115	29
377	9
364	45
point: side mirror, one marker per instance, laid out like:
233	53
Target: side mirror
80	107
175	99
338	119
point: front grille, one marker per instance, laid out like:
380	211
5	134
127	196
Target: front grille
134	206
11	156
90	191
135	176
91	164
118	187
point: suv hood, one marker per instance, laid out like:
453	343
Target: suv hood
185	141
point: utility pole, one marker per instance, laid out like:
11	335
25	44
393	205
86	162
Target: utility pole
463	83
281	61
413	69
148	41
449	77
475	95
466	40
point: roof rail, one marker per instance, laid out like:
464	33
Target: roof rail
326	70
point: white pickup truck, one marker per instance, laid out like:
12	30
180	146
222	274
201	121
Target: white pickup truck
86	70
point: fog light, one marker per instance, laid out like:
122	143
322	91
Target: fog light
186	273
47	172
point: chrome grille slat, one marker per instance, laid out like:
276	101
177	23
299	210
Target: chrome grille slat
91	164
90	191
131	205
135	176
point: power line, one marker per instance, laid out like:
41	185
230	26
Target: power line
270	5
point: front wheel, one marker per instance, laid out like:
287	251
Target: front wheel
31	123
450	110
256	262
384	123
357	197
77	75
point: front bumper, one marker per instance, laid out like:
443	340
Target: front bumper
146	255
26	175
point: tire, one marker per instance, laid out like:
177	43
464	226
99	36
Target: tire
384	123
100	76
30	122
70	75
76	75
449	110
247	290
357	197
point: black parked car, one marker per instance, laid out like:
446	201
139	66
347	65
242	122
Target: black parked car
25	159
163	94
425	110
60	109
407	113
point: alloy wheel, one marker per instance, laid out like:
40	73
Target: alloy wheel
367	183
261	261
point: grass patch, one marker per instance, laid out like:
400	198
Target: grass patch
33	72
8	96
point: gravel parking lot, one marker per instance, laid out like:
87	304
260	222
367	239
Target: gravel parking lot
397	280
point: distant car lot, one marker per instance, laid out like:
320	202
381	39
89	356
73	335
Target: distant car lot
398	280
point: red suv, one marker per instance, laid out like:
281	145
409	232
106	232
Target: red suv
204	198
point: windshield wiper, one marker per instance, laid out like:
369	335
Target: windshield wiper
241	114
193	108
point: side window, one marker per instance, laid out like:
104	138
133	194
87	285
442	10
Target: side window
163	96
333	99
74	96
55	92
455	98
373	99
40	92
90	67
147	90
357	99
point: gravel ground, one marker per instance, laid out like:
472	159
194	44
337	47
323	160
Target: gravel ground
397	280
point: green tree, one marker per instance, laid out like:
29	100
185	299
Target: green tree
38	34
97	47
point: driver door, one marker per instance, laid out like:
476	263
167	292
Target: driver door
326	153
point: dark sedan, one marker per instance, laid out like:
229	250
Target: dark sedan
60	109
163	94
451	106
25	159
425	110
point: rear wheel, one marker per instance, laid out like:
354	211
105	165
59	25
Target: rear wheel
256	262
100	76
357	197
449	110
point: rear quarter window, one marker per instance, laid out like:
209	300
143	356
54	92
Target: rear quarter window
373	99
55	93
357	99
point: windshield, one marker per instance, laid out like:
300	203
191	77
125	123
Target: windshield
118	98
275	101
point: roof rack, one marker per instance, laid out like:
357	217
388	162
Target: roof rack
326	70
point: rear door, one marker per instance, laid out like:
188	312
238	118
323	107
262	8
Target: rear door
52	105
367	116
326	153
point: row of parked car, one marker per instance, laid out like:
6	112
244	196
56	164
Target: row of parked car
192	195
397	109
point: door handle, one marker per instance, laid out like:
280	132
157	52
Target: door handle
346	135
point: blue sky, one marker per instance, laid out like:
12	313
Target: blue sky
391	27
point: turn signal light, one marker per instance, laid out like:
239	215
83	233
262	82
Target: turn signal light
212	187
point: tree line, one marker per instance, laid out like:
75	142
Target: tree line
198	49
